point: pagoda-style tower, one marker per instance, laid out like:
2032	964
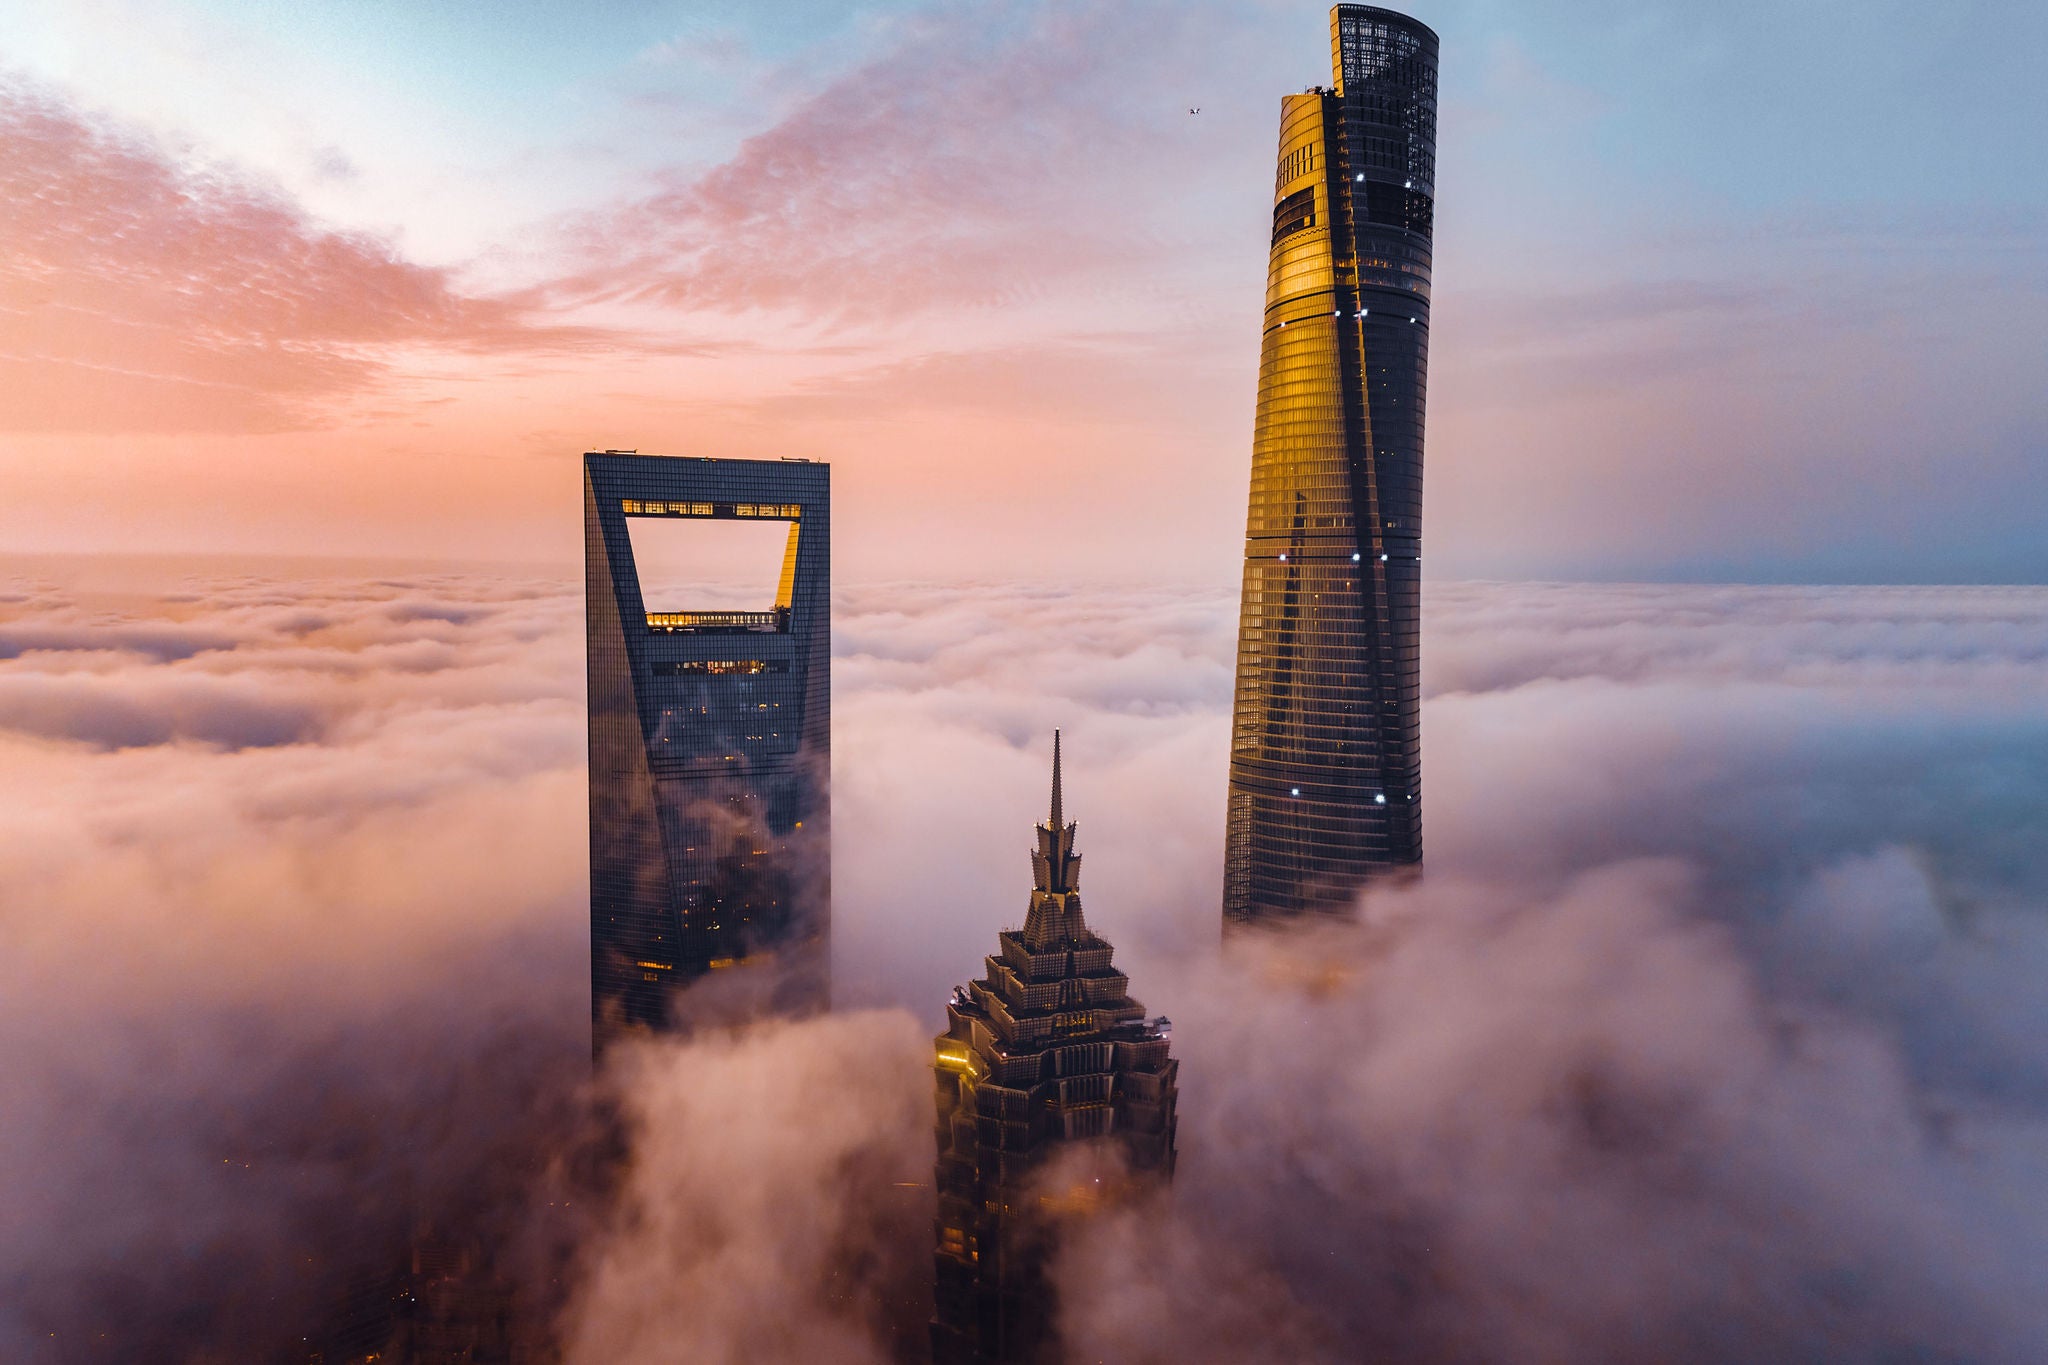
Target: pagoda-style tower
1047	1051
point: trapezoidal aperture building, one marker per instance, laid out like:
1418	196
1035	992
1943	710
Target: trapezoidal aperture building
710	745
1046	1055
1325	749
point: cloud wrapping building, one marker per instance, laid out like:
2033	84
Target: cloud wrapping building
710	746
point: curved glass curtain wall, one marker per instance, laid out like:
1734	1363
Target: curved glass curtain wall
1325	770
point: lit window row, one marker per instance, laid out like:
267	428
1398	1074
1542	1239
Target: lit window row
672	670
644	507
636	507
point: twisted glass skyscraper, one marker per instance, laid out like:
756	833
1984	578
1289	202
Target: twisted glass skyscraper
1325	758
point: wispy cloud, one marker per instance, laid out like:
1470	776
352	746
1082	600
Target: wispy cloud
984	158
146	289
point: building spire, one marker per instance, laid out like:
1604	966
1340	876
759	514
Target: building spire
1055	821
1055	867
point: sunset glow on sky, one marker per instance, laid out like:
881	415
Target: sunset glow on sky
1713	1032
366	278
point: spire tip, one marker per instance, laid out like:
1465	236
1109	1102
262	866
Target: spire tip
1056	812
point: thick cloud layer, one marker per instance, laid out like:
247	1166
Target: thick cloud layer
1712	1033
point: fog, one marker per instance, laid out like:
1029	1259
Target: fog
1711	1033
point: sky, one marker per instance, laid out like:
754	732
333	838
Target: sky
1712	1033
1740	292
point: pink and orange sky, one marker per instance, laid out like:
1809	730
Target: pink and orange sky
1722	291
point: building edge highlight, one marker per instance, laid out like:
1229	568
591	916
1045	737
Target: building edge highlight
1325	763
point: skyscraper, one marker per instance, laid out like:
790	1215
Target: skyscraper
710	744
1047	1053
1325	755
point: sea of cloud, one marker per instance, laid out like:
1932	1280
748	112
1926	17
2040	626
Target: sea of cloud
1713	1032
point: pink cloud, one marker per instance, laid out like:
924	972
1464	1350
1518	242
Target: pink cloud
1721	990
142	290
982	159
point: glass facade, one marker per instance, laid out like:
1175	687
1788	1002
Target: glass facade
710	748
1046	1051
1325	747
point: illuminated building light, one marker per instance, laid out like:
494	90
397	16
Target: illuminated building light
776	622
684	667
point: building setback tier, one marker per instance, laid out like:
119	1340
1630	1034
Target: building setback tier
1046	1056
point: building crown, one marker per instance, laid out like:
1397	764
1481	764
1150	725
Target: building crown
1055	914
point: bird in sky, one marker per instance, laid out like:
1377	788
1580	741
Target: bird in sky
1195	109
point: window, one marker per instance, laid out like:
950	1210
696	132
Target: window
1293	214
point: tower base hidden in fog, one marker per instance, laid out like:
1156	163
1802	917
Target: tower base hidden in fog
710	747
1325	741
1047	1056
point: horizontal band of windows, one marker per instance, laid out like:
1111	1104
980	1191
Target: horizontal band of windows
773	511
1301	772
1287	682
1357	725
1283	722
1280	882
1289	667
1312	792
1278	623
1332	836
1287	771
1333	640
1283	473
1302	678
720	622
1285	703
1272	846
676	669
1270	851
1348	785
1252	814
1277	742
1282	718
